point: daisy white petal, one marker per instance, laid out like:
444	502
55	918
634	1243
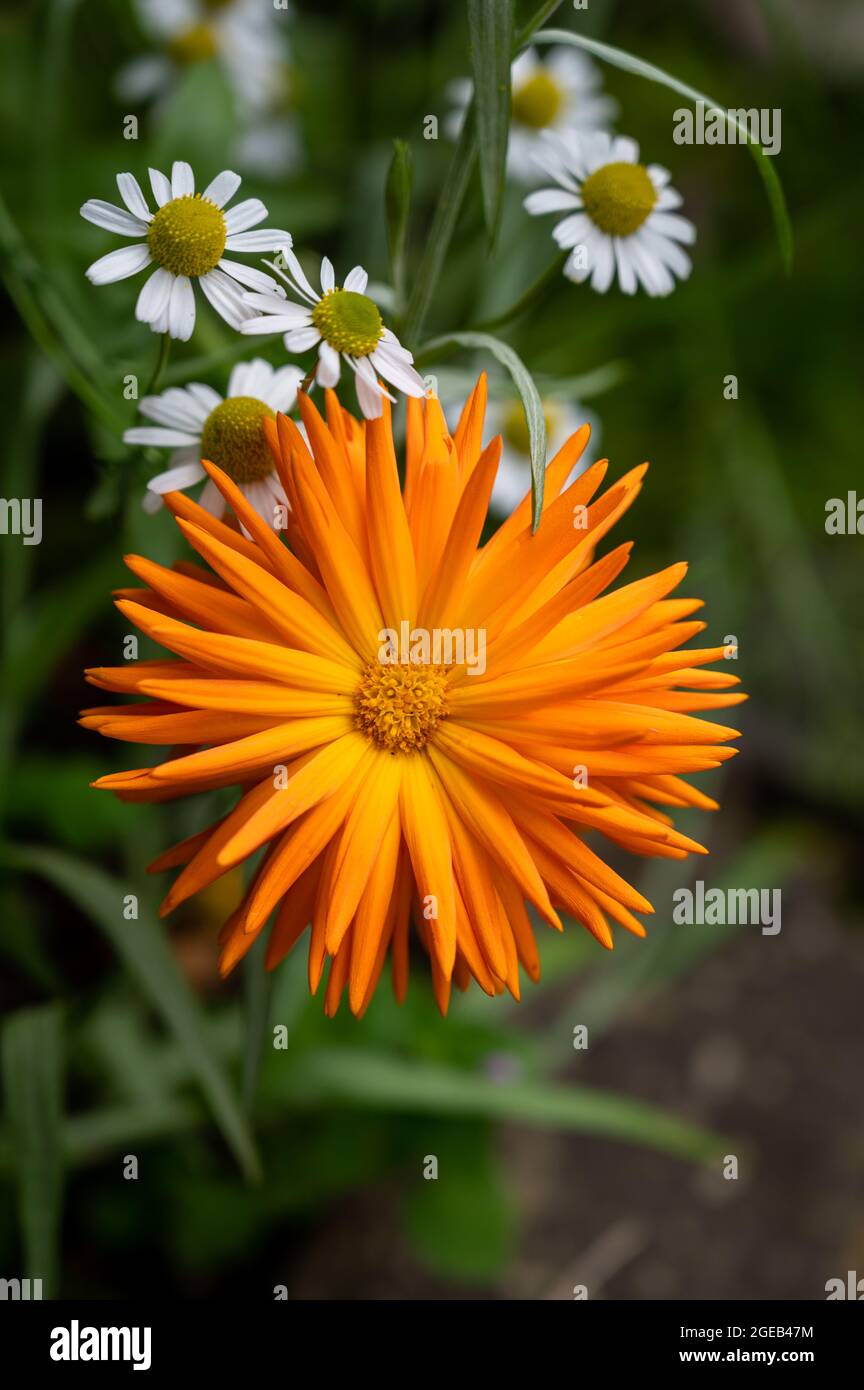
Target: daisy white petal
237	381
282	390
247	274
119	265
328	365
603	270
130	192
550	200
626	269
221	189
211	499
175	479
295	315
204	397
272	323
302	338
671	225
299	277
152	436
176	408
667	251
154	296
182	179
356	280
625	149
245	215
266	239
369	397
181	309
225	296
328	275
112	218
404	377
161	187
658	175
572	230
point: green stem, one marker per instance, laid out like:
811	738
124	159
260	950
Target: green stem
161	364
535	292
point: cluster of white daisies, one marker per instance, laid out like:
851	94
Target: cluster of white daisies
620	221
185	240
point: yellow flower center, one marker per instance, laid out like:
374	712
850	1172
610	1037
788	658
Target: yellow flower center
514	426
538	101
399	707
187	235
233	437
193	45
619	197
349	322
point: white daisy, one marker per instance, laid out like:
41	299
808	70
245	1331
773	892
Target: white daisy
244	36
563	93
342	322
186	238
619	213
196	422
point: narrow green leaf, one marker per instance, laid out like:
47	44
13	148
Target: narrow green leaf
376	1080
397	201
490	32
32	1045
619	59
257	991
145	952
524	383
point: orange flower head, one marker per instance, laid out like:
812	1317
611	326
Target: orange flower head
422	729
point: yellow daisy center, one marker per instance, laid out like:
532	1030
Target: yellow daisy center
399	706
233	438
514	426
538	101
618	197
187	235
193	45
349	322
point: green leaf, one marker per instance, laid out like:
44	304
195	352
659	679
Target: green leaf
461	1222
397	201
524	383
32	1045
619	59
145	952
490	30
377	1080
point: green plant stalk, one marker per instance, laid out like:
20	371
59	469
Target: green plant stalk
451	200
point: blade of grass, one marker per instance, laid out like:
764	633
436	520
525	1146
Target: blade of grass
524	383
146	954
32	1047
490	30
378	1081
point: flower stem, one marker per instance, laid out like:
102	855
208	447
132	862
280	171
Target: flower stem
161	364
533	293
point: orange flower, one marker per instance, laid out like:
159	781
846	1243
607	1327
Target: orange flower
386	781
